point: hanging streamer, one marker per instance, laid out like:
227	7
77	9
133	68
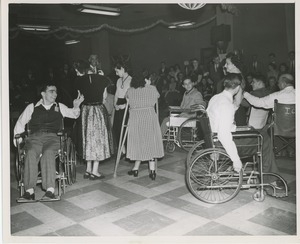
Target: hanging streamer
73	32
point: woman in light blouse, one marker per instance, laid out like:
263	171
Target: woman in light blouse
123	83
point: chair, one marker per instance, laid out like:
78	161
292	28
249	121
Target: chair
210	174
65	162
283	125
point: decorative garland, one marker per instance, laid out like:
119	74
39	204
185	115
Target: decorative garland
73	32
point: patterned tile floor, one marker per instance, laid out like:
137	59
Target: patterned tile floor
131	207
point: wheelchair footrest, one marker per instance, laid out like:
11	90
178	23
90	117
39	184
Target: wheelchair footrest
23	200
46	199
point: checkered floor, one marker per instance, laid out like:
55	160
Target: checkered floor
128	206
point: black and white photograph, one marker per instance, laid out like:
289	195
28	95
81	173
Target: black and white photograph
149	122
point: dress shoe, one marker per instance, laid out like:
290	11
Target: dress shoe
96	177
28	196
152	174
86	175
48	195
135	173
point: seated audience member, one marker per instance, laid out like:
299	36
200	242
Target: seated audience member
163	70
258	116
172	96
206	87
272	84
283	69
215	70
221	110
191	97
44	119
196	72
249	80
272	70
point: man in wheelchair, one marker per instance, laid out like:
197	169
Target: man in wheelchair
221	110
43	121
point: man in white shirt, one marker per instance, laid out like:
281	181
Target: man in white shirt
44	121
258	116
221	110
286	95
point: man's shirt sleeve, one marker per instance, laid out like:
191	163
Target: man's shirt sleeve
72	113
263	102
225	127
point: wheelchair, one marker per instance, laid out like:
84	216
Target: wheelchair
210	175
182	131
65	164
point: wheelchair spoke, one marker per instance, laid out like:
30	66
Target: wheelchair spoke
211	177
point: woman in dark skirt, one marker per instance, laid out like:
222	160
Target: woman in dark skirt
123	83
97	142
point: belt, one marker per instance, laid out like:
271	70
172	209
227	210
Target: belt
42	131
93	104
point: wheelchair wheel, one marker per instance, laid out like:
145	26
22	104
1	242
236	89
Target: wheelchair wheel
197	148
170	146
188	133
211	178
72	161
19	166
66	161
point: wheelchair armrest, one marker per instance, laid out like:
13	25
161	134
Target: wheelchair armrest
250	133
21	135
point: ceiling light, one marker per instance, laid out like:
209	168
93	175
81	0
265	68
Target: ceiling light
181	24
102	10
70	42
191	6
35	27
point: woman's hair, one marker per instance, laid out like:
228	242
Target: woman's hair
138	81
81	66
120	65
232	80
236	60
111	89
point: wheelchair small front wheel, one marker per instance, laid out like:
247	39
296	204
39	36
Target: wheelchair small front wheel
211	178
259	195
170	146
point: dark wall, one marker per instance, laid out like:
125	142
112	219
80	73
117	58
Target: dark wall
261	29
148	49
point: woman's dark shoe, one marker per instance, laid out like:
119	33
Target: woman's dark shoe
86	175
152	174
135	173
96	177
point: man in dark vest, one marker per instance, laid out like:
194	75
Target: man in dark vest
43	120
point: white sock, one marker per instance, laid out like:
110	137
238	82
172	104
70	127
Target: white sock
50	189
30	190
